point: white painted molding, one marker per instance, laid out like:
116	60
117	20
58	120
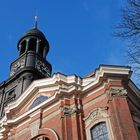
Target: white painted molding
52	131
72	80
96	116
58	83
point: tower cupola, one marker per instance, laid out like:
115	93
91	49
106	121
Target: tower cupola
31	64
33	40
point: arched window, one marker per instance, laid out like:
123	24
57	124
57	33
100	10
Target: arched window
41	138
32	45
38	101
41	48
23	47
99	132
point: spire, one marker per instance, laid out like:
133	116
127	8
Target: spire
36	21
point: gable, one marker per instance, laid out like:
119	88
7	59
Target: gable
42	94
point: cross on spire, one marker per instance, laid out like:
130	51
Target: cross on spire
36	21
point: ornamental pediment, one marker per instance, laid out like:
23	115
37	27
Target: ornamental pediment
62	83
45	92
39	95
51	88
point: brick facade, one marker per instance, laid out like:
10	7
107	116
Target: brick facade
74	106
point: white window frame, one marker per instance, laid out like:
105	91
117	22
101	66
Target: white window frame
96	116
97	125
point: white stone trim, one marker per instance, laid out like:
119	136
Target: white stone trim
96	116
49	83
99	88
30	111
53	132
58	83
107	69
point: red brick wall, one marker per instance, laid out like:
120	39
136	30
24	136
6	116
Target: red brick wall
121	120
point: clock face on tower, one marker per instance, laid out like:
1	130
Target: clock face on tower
16	66
43	68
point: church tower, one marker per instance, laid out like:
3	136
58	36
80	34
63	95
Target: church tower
31	64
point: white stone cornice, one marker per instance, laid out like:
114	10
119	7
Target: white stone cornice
61	85
105	70
72	80
51	84
24	116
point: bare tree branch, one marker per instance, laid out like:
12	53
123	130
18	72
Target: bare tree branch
129	29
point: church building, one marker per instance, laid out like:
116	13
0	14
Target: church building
38	105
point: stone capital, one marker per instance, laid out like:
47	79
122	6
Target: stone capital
116	92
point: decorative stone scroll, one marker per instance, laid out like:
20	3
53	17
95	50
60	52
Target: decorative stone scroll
116	92
42	67
18	64
67	110
96	114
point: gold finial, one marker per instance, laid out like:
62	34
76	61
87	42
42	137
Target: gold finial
36	21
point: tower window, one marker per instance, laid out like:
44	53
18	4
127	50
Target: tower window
41	48
23	47
99	132
32	45
11	97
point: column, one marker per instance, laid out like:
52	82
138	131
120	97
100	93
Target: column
44	52
120	115
20	49
27	44
37	46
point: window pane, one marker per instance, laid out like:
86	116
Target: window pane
99	132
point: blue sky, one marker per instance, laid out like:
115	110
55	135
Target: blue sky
80	33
